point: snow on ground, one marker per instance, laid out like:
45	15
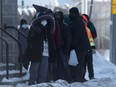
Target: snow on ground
105	74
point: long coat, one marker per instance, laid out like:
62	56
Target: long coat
37	36
22	39
79	36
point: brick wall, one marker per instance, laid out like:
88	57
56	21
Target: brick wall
0	12
9	12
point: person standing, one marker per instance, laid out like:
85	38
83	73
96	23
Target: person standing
80	43
89	58
40	32
62	39
24	29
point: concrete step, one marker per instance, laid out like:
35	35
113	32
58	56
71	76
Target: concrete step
14	78
3	67
14	83
12	73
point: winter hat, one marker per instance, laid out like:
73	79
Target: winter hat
60	13
74	10
23	21
86	16
39	8
49	11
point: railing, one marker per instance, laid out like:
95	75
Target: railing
12	27
19	45
7	57
19	32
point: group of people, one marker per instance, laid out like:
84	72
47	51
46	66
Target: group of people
51	37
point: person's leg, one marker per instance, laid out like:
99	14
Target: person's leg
43	69
57	67
65	67
81	66
90	65
33	73
86	63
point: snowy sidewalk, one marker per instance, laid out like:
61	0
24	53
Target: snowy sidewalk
105	74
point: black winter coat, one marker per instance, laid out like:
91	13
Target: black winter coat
80	40
65	37
22	39
35	41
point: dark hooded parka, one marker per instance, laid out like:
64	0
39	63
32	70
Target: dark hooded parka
62	38
37	35
80	42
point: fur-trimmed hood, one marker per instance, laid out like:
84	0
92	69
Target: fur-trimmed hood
48	18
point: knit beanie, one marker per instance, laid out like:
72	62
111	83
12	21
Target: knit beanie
23	21
74	10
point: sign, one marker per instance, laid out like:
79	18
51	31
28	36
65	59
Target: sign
113	6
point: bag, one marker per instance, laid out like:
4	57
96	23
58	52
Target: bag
73	58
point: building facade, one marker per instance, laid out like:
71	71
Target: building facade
8	16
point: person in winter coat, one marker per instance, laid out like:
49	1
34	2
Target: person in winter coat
40	32
62	39
24	29
91	27
80	44
89	57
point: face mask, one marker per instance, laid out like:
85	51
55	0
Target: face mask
44	22
24	26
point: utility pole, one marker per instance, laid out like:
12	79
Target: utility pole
84	6
113	32
91	6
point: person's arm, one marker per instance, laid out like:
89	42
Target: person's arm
92	29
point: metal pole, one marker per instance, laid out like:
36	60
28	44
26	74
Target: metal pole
91	6
7	57
113	33
19	45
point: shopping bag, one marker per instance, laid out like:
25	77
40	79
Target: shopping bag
73	58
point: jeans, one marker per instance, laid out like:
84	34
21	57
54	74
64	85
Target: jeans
43	70
33	73
38	71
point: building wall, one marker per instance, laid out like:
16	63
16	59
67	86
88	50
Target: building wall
0	23
0	11
9	12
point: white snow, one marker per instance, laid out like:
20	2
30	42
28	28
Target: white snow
105	74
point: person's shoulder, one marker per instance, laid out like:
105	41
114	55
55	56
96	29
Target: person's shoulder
89	22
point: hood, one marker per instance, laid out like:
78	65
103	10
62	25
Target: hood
59	16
